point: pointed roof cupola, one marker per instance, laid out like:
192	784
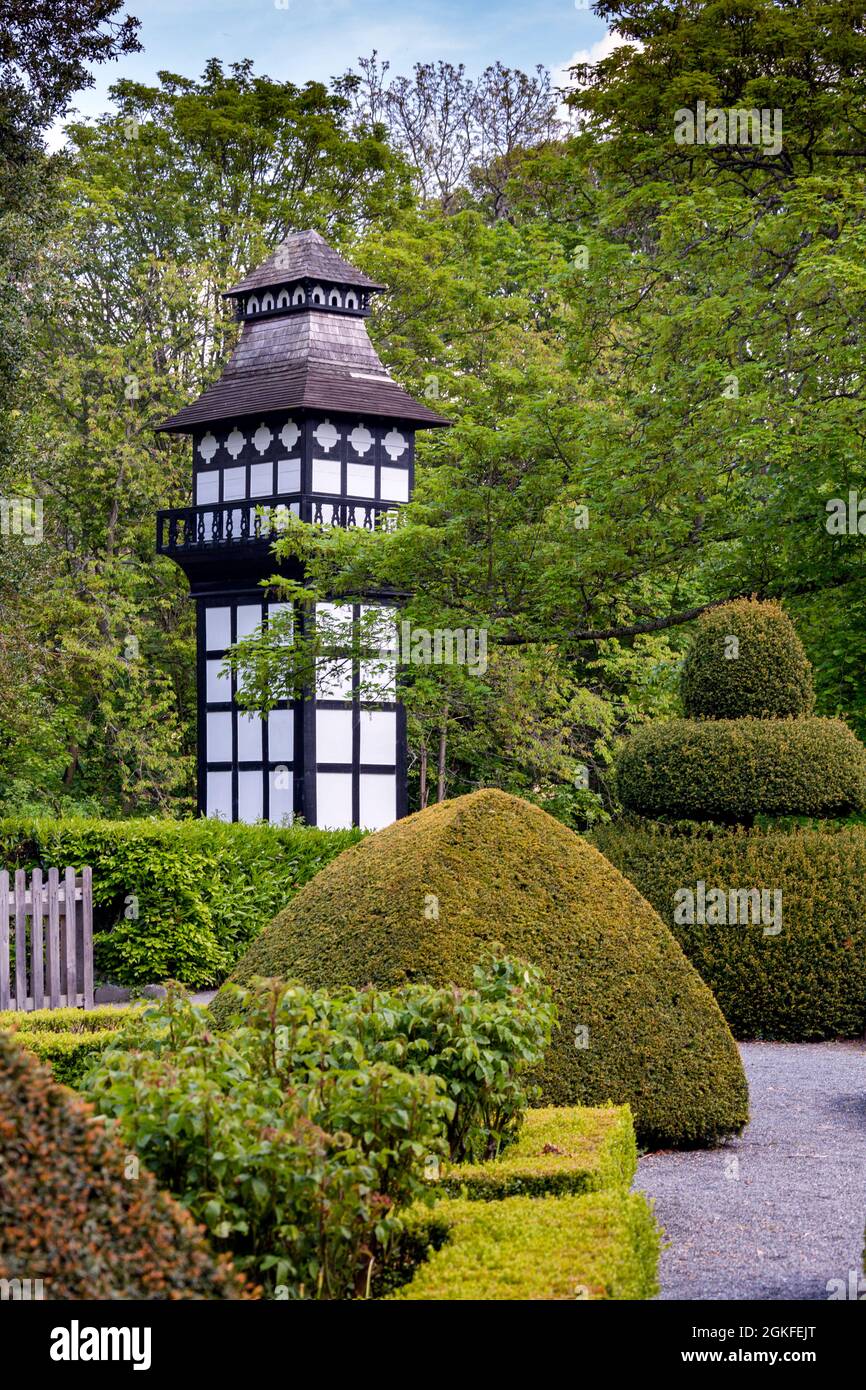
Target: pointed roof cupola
304	344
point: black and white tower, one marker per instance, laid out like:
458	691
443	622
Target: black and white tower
304	418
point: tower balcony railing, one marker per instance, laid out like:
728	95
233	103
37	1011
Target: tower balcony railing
260	521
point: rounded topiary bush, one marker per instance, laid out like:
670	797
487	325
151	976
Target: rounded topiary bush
729	770
746	660
72	1216
425	898
804	981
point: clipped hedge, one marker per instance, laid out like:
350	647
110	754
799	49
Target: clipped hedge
175	899
71	1213
424	898
729	770
809	981
559	1150
67	1039
746	660
604	1245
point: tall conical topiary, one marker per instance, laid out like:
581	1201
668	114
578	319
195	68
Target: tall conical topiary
425	898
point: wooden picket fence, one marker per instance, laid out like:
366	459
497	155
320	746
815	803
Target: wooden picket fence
46	940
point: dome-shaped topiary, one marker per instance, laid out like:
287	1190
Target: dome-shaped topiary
74	1214
730	770
425	898
746	660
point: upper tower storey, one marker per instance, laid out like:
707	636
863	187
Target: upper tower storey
304	417
304	345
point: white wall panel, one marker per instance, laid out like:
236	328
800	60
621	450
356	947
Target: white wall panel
378	680
249	738
261	479
360	480
280	812
394	484
333	736
234	484
219	686
326	475
248	619
218	748
281	735
379	737
207	488
219	795
378	800
250	796
218	634
289	475
334	800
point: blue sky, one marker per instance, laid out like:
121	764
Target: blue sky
303	39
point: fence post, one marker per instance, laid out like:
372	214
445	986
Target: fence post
20	939
37	963
87	934
69	934
4	939
53	944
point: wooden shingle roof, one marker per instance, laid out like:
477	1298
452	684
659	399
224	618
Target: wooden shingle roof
303	255
308	360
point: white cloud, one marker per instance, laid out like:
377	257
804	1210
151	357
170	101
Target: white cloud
561	77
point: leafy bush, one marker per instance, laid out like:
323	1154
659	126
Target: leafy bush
175	899
67	1039
559	1150
423	898
604	1245
729	770
296	1138
807	982
746	660
72	1021
481	1043
73	1214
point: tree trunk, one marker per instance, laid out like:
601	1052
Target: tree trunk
424	789
443	743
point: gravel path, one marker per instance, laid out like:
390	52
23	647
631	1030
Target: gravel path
780	1211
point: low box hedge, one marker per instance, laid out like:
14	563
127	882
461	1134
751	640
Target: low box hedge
807	982
601	1245
560	1150
175	900
731	770
67	1039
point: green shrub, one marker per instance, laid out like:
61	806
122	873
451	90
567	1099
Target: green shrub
807	982
71	1212
292	1147
746	660
70	1055
604	1245
730	770
421	900
104	1016
67	1039
559	1150
480	1042
175	899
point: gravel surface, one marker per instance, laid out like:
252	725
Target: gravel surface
779	1212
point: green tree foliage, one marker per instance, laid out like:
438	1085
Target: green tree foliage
650	350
